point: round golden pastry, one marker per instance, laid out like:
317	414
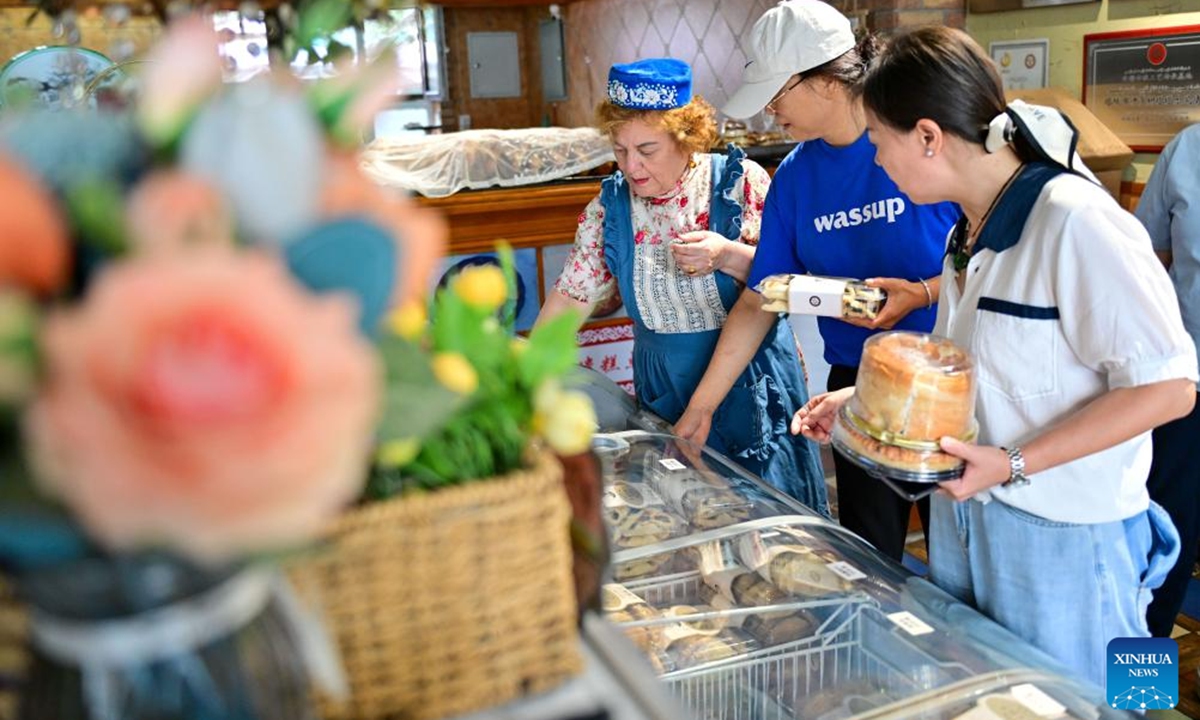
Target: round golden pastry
915	386
893	456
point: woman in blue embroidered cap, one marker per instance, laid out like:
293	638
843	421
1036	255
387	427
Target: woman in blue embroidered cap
675	232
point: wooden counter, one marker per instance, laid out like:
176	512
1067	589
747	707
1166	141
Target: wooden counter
532	216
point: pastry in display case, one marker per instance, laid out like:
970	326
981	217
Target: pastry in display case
774	612
912	390
662	495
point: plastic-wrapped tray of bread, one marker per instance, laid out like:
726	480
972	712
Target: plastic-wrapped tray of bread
912	389
816	295
636	516
441	165
658	488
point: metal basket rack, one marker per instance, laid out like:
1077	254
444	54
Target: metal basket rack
855	661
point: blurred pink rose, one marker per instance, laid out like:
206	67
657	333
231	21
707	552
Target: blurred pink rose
170	210
206	402
183	70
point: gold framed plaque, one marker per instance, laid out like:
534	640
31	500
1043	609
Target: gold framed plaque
1143	84
1023	64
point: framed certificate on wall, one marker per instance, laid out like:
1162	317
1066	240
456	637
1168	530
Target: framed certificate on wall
1143	84
1023	64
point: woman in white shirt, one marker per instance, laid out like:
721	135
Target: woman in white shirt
1079	348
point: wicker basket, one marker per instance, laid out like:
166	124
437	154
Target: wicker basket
13	655
451	601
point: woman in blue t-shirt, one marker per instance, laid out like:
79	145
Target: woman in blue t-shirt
830	211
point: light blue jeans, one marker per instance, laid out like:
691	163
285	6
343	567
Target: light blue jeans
1067	589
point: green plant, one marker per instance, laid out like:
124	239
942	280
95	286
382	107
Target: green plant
465	396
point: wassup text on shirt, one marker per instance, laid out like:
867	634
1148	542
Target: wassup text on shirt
888	209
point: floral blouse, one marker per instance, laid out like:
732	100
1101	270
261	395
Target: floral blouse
668	299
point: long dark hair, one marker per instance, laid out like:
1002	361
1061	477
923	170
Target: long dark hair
849	68
941	74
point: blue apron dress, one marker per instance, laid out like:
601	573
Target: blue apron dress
751	425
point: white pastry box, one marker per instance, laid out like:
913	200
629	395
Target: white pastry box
823	296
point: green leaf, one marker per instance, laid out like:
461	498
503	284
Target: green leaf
97	211
508	312
474	333
551	351
320	19
415	403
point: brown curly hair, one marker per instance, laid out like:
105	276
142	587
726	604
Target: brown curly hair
694	126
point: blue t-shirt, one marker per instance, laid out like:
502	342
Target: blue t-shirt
832	211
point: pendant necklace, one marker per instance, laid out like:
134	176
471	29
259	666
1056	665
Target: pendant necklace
962	246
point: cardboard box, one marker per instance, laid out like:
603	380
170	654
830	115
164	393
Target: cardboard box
1102	151
1111	180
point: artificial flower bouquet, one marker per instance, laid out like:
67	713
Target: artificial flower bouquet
201	371
190	294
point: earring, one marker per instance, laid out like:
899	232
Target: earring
692	163
928	152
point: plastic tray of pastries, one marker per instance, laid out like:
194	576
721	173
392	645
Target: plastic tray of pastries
858	300
912	390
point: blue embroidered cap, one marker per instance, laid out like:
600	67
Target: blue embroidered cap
654	84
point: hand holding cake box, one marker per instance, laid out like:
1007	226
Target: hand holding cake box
912	390
815	295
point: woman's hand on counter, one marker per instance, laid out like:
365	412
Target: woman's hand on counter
987	467
815	420
703	252
694	425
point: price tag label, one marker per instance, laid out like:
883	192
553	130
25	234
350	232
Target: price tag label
846	571
672	464
910	623
1032	697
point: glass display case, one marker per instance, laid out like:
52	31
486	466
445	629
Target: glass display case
749	605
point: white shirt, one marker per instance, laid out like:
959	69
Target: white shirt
1078	306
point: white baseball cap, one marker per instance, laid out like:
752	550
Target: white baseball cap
792	37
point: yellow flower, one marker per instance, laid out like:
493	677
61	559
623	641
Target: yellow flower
408	321
547	395
517	346
397	453
482	286
455	372
568	424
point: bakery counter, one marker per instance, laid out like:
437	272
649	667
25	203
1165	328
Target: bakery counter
749	605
